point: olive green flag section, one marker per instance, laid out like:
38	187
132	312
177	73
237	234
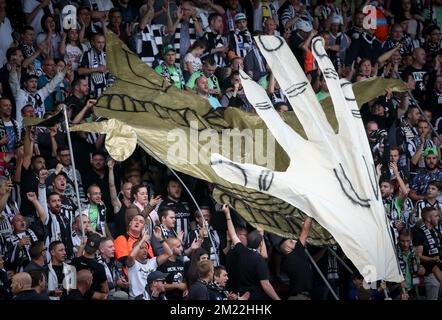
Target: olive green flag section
162	116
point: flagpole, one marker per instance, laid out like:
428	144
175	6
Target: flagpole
73	167
185	187
321	274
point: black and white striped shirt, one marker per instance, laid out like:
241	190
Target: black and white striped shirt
422	204
149	43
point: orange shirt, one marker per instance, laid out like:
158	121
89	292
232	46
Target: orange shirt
123	246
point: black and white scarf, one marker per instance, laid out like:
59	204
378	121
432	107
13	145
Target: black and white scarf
413	260
97	80
177	38
215	40
242	42
432	240
168	233
11	209
4	132
150	43
20	257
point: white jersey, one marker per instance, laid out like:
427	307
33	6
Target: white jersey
137	275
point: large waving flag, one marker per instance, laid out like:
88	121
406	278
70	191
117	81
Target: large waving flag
142	104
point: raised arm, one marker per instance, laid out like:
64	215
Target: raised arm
167	251
133	254
230	228
80	116
305	229
116	203
27	145
147	17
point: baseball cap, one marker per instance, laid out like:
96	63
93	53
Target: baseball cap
430	150
156	275
304	25
240	16
168	48
92	244
337	19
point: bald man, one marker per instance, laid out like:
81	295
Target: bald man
21	287
84	282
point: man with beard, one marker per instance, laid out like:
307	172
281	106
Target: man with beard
427	242
29	180
175	285
58	222
65	166
181	208
68	207
408	261
431	172
62	276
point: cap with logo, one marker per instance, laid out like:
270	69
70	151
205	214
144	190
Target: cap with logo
168	48
92	243
304	25
240	16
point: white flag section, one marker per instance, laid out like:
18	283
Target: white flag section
331	177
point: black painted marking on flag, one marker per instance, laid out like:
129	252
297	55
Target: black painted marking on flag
330	73
296	89
263	106
280	44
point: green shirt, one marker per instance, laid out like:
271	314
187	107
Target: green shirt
93	216
408	276
212	80
172	74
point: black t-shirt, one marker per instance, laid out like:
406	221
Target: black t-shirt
419	77
75	294
175	269
298	269
198	291
294	43
419	239
248	268
120	221
29	183
183	215
60	275
45	147
98	272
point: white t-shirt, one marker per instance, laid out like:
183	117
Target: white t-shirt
29	6
74	54
195	61
55	43
137	275
6	39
